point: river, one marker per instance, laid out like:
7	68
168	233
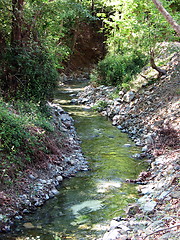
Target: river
87	202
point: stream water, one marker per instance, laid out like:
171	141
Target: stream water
87	202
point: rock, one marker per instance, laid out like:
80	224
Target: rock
163	195
33	176
18	217
175	194
59	178
46	197
42	181
112	235
28	225
25	210
149	139
119	127
84	100
68	124
145	148
137	156
114	224
2	217
74	101
132	209
127	145
168	236
66	117
129	96
121	94
54	191
149	206
38	202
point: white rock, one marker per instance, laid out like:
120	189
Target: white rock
127	145
112	235
66	117
149	206
163	195
43	181
54	191
46	196
145	148
59	178
129	96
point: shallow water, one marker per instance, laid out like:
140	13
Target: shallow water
87	202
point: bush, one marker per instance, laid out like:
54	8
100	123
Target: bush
117	69
22	135
100	106
28	73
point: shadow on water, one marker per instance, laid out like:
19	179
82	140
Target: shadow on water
87	202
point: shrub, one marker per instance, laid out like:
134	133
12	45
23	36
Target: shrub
22	136
28	73
118	69
100	106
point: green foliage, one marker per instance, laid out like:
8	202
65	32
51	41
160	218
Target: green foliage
22	130
118	69
29	74
100	106
12	130
34	114
137	24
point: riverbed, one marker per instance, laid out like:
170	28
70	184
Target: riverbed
88	201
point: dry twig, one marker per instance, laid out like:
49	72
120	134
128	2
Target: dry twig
160	230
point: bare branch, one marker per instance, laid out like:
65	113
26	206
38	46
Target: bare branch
160	230
168	17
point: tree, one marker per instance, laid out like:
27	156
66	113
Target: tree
168	17
36	37
17	19
134	27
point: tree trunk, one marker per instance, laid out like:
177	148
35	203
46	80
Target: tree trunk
168	17
153	65
92	7
16	33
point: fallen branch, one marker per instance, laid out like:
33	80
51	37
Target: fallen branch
143	76
160	230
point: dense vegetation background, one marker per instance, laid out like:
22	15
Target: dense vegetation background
38	40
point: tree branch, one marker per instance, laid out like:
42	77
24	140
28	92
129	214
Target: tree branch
153	65
168	17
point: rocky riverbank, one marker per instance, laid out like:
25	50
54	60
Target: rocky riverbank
149	114
39	184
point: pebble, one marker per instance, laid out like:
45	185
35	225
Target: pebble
59	178
54	191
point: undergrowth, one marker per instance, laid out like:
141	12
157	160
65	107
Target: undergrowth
118	69
23	128
100	106
27	73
